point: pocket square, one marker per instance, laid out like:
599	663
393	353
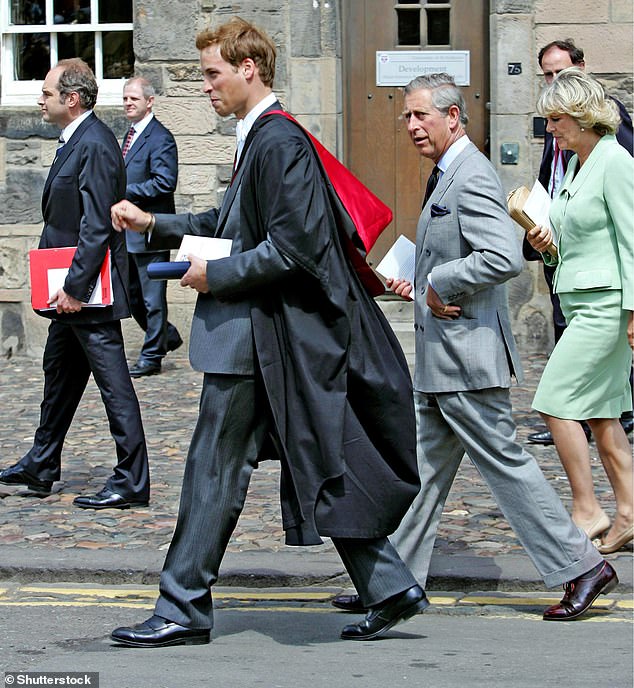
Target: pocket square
439	210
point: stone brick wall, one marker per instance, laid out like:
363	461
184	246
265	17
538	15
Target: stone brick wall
308	67
308	82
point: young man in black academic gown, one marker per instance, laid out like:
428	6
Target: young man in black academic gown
298	361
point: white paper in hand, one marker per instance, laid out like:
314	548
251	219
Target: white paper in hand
207	248
537	205
400	261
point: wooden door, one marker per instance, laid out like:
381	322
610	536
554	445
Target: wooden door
376	145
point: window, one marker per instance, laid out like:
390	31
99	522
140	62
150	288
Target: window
38	33
423	24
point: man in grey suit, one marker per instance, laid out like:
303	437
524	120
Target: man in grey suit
466	249
281	332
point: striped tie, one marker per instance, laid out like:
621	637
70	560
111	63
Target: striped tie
128	142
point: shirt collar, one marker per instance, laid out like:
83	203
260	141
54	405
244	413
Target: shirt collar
71	128
452	153
243	126
142	123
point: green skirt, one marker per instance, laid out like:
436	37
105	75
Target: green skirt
587	374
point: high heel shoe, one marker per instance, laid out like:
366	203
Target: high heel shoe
595	528
619	541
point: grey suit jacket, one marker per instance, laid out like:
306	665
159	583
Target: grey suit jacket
467	242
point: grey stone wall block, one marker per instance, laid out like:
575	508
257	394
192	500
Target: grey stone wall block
14	264
165	30
12	334
189	116
311	86
207	150
22	154
512	6
305	29
21	197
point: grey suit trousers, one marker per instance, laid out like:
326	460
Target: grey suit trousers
479	423
232	426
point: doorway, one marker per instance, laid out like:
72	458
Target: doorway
376	145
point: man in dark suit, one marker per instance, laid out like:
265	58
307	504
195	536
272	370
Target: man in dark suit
299	362
151	161
86	177
553	58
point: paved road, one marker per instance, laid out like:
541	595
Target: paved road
289	639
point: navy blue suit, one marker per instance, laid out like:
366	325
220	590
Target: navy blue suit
152	172
85	180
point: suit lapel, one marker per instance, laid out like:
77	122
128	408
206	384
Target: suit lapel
230	193
139	142
447	178
65	152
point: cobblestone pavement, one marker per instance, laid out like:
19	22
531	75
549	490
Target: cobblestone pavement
472	523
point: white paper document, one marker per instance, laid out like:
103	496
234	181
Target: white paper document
57	278
207	248
537	205
400	260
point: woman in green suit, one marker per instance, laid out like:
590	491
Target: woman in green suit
587	375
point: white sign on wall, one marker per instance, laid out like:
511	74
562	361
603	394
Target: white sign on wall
399	67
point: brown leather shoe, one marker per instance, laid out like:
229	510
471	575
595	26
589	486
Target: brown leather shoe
582	592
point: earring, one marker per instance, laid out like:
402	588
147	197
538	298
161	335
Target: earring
582	129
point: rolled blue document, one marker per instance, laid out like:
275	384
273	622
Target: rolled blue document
169	270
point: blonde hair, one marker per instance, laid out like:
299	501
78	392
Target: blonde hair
575	93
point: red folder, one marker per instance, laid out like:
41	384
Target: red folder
48	268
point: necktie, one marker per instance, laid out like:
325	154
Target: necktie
128	142
432	182
239	140
60	144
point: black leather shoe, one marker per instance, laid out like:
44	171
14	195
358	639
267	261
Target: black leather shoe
541	438
349	603
547	439
582	592
107	499
627	425
16	475
380	619
141	368
159	632
174	342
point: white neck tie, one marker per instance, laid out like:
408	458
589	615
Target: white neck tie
240	138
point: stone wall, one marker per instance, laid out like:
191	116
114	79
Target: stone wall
308	82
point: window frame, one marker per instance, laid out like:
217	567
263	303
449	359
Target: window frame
15	92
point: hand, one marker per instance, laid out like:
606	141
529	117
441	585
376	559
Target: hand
439	309
540	238
401	287
630	330
65	303
196	276
126	215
